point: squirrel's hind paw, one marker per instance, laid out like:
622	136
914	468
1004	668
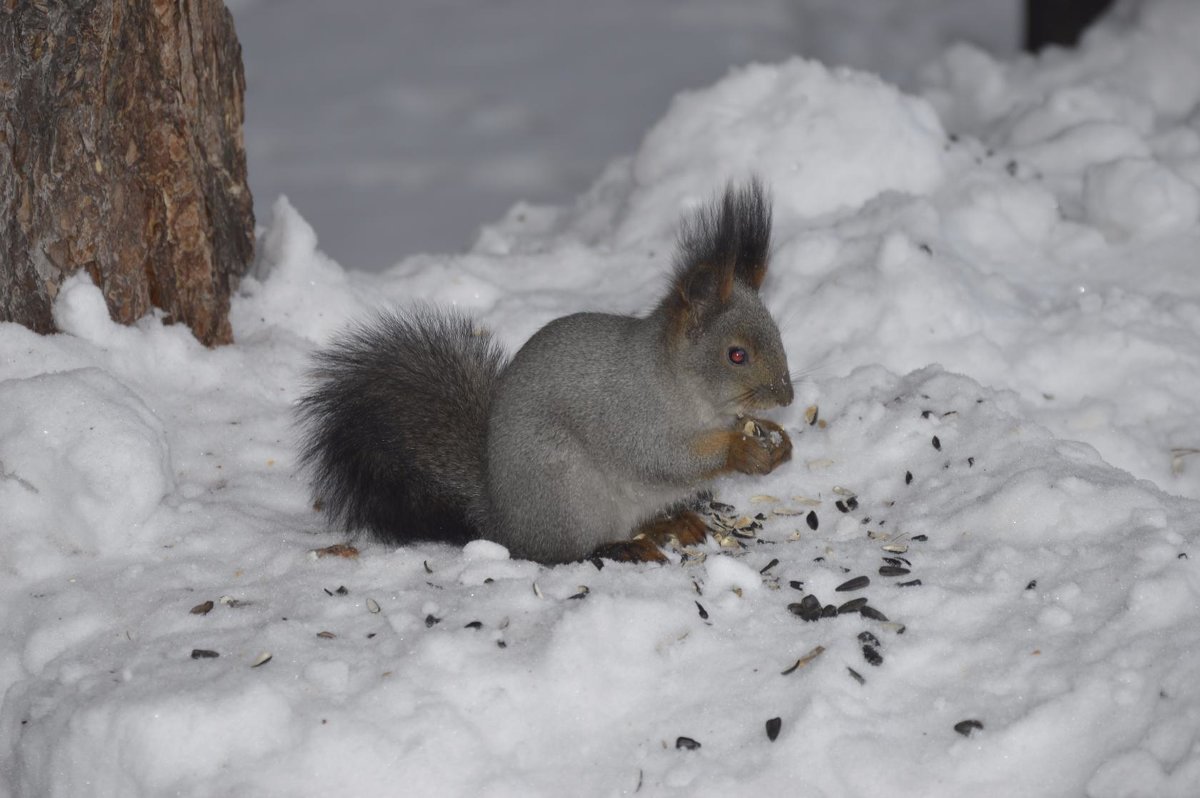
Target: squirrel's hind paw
640	549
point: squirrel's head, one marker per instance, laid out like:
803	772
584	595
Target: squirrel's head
717	327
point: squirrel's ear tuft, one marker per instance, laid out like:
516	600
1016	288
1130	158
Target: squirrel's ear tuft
727	241
733	233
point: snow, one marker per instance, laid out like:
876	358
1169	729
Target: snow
990	286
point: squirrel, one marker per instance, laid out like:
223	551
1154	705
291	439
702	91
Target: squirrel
589	442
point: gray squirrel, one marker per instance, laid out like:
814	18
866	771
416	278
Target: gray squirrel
589	441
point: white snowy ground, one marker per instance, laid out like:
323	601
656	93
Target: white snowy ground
1011	315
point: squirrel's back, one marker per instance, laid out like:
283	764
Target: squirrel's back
396	426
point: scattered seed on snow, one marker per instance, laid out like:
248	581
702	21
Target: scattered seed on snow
326	635
812	520
204	653
857	583
965	727
937	444
202	609
893	570
703	612
872	613
769	566
907	477
773	727
857	676
871	655
853	605
372	606
431	621
261	659
686	743
909	583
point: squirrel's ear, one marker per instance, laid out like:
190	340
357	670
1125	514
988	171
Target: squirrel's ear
696	294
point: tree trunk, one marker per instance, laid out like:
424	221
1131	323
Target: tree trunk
1059	22
121	153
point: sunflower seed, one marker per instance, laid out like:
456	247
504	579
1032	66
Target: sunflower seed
853	605
868	638
907	477
965	727
829	611
204	653
857	583
937	444
202	609
326	635
872	656
872	613
769	566
431	621
893	570
857	676
808	608
703	612
261	659
686	743
773	727
812	520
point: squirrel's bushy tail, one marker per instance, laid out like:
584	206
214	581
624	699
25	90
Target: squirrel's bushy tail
395	426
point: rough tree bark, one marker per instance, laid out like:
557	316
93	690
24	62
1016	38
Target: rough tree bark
121	153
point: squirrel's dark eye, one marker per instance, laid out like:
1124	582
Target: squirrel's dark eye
738	356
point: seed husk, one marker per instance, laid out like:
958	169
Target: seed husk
893	570
581	593
920	538
907	477
807	658
202	609
372	606
796	584
966	727
261	659
431	621
937	444
895	548
474	625
829	611
909	583
841	505
871	655
857	676
703	612
773	727
857	583
686	743
337	550
769	566
868	638
326	635
204	653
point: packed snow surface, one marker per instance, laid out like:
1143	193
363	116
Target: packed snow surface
992	289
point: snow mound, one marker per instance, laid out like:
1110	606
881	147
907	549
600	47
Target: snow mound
826	140
85	463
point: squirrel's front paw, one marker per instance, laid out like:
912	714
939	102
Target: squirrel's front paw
759	447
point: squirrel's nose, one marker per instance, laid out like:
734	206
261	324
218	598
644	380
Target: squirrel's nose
782	389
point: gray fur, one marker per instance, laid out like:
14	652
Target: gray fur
415	429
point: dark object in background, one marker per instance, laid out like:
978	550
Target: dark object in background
121	155
1059	22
